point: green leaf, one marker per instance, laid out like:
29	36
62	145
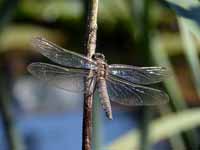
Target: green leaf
185	3
190	50
160	129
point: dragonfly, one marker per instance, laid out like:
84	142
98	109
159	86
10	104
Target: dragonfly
123	84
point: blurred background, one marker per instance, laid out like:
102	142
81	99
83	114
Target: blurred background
166	33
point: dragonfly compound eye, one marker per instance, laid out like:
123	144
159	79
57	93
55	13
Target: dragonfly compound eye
97	56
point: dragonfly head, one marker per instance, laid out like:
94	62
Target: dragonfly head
98	56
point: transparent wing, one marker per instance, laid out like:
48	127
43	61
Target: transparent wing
139	75
62	56
130	94
64	78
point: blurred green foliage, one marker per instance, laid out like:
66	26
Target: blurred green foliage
160	129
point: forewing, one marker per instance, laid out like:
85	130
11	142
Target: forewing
130	94
139	75
62	56
64	78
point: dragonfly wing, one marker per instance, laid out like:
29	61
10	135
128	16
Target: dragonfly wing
62	56
139	75
130	94
64	78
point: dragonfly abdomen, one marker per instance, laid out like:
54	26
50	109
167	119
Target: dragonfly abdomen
103	94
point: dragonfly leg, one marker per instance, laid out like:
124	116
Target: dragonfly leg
92	86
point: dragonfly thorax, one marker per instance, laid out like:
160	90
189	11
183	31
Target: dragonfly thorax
102	69
102	66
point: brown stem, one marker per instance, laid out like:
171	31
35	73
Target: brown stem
89	47
91	30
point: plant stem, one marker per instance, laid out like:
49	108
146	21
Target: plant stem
91	29
14	141
144	46
89	47
7	11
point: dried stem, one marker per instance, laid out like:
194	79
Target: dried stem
89	46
